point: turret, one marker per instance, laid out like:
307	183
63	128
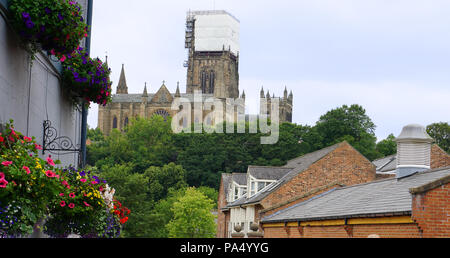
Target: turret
413	150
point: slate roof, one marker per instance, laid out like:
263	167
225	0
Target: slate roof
268	173
292	169
389	196
386	164
226	181
240	178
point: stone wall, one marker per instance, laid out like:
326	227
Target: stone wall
31	92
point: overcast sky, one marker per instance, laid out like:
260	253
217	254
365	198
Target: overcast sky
390	56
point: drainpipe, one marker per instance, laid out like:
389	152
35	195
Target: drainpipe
85	110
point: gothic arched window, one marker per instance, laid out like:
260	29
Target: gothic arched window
115	123
125	123
163	113
212	77
204	79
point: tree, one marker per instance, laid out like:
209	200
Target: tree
161	179
387	146
441	134
192	216
351	124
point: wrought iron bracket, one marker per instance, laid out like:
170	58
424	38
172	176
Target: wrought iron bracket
61	145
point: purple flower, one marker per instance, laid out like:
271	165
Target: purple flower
75	75
25	15
29	24
60	17
47	10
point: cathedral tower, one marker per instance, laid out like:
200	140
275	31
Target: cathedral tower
212	39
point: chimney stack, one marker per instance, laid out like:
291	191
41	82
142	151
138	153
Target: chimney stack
413	150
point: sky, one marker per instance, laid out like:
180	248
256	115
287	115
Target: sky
390	56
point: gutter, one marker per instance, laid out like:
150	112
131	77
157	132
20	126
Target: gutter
343	217
85	111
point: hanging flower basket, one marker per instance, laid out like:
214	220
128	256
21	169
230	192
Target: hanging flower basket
27	183
87	78
56	26
84	208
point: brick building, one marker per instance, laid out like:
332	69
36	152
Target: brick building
268	189
336	192
415	203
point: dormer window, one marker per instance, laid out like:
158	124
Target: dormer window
257	185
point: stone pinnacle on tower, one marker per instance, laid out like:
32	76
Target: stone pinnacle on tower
177	93
262	94
145	94
122	87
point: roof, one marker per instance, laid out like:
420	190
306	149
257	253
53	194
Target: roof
414	132
268	173
389	196
226	181
240	178
292	169
386	164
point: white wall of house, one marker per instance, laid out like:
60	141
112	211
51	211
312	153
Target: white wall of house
31	92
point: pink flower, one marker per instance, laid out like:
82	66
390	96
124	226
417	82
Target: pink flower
72	195
7	163
62	203
27	169
94	182
63	58
53	52
3	183
2	175
28	139
50	162
87	204
71	205
83	180
50	174
38	147
61	194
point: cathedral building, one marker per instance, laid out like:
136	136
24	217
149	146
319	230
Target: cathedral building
212	40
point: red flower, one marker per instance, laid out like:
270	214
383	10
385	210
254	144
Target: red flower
71	205
72	195
124	220
62	203
28	139
26	169
2	139
7	163
50	174
50	162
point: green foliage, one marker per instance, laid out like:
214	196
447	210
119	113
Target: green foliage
441	134
87	78
28	184
192	216
387	146
54	25
95	135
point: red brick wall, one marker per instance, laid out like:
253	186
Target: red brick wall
439	158
431	210
344	165
222	217
357	231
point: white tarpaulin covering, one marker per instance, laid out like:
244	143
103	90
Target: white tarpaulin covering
216	30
